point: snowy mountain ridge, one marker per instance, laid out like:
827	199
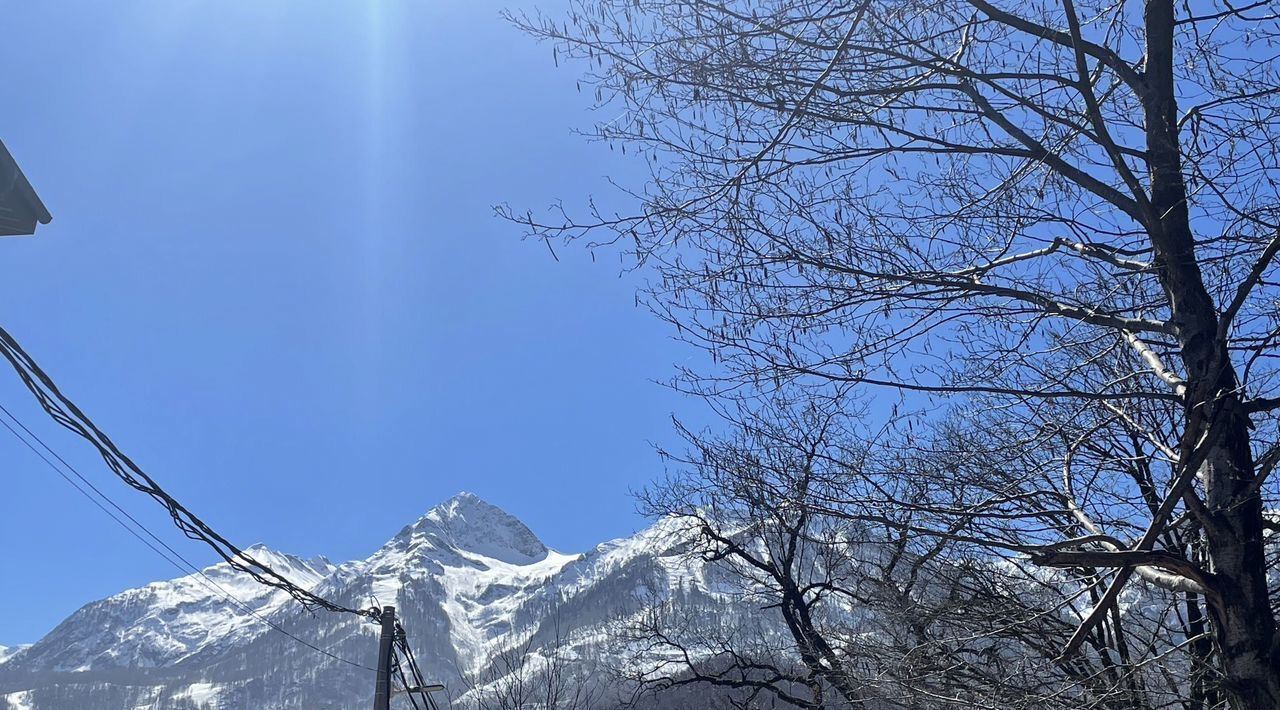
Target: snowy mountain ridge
166	622
471	582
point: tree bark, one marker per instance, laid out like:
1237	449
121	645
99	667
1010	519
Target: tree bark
1243	622
1203	691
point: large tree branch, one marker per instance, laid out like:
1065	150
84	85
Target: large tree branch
1038	150
1185	577
1094	112
1107	57
1247	285
1176	578
1156	364
1187	473
965	283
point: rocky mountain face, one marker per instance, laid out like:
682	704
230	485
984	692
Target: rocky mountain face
7	651
167	622
480	596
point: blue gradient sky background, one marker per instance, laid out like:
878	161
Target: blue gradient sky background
274	278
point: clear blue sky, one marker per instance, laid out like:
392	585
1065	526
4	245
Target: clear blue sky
274	278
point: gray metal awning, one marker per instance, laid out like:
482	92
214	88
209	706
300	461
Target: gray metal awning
20	207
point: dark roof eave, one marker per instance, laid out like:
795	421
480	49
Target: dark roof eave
42	213
24	188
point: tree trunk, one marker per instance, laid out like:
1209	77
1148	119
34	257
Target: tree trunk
1243	622
1203	691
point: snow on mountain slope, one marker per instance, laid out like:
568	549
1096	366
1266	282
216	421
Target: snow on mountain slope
466	523
165	622
7	652
472	585
474	564
17	701
665	541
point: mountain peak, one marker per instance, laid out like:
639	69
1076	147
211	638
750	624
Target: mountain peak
463	498
472	580
468	523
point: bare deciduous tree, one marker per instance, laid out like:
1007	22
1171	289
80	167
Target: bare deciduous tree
1063	212
539	673
874	614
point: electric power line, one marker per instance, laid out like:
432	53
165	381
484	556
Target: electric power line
202	577
71	417
404	682
402	641
67	414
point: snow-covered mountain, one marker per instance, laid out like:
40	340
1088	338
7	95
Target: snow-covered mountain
8	651
474	587
166	622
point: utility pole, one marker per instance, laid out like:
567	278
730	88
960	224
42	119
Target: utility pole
382	693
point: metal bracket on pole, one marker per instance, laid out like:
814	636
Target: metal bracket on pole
382	692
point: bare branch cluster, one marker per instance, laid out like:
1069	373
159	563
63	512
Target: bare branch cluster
1043	235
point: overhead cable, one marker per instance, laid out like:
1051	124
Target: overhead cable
185	566
70	416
